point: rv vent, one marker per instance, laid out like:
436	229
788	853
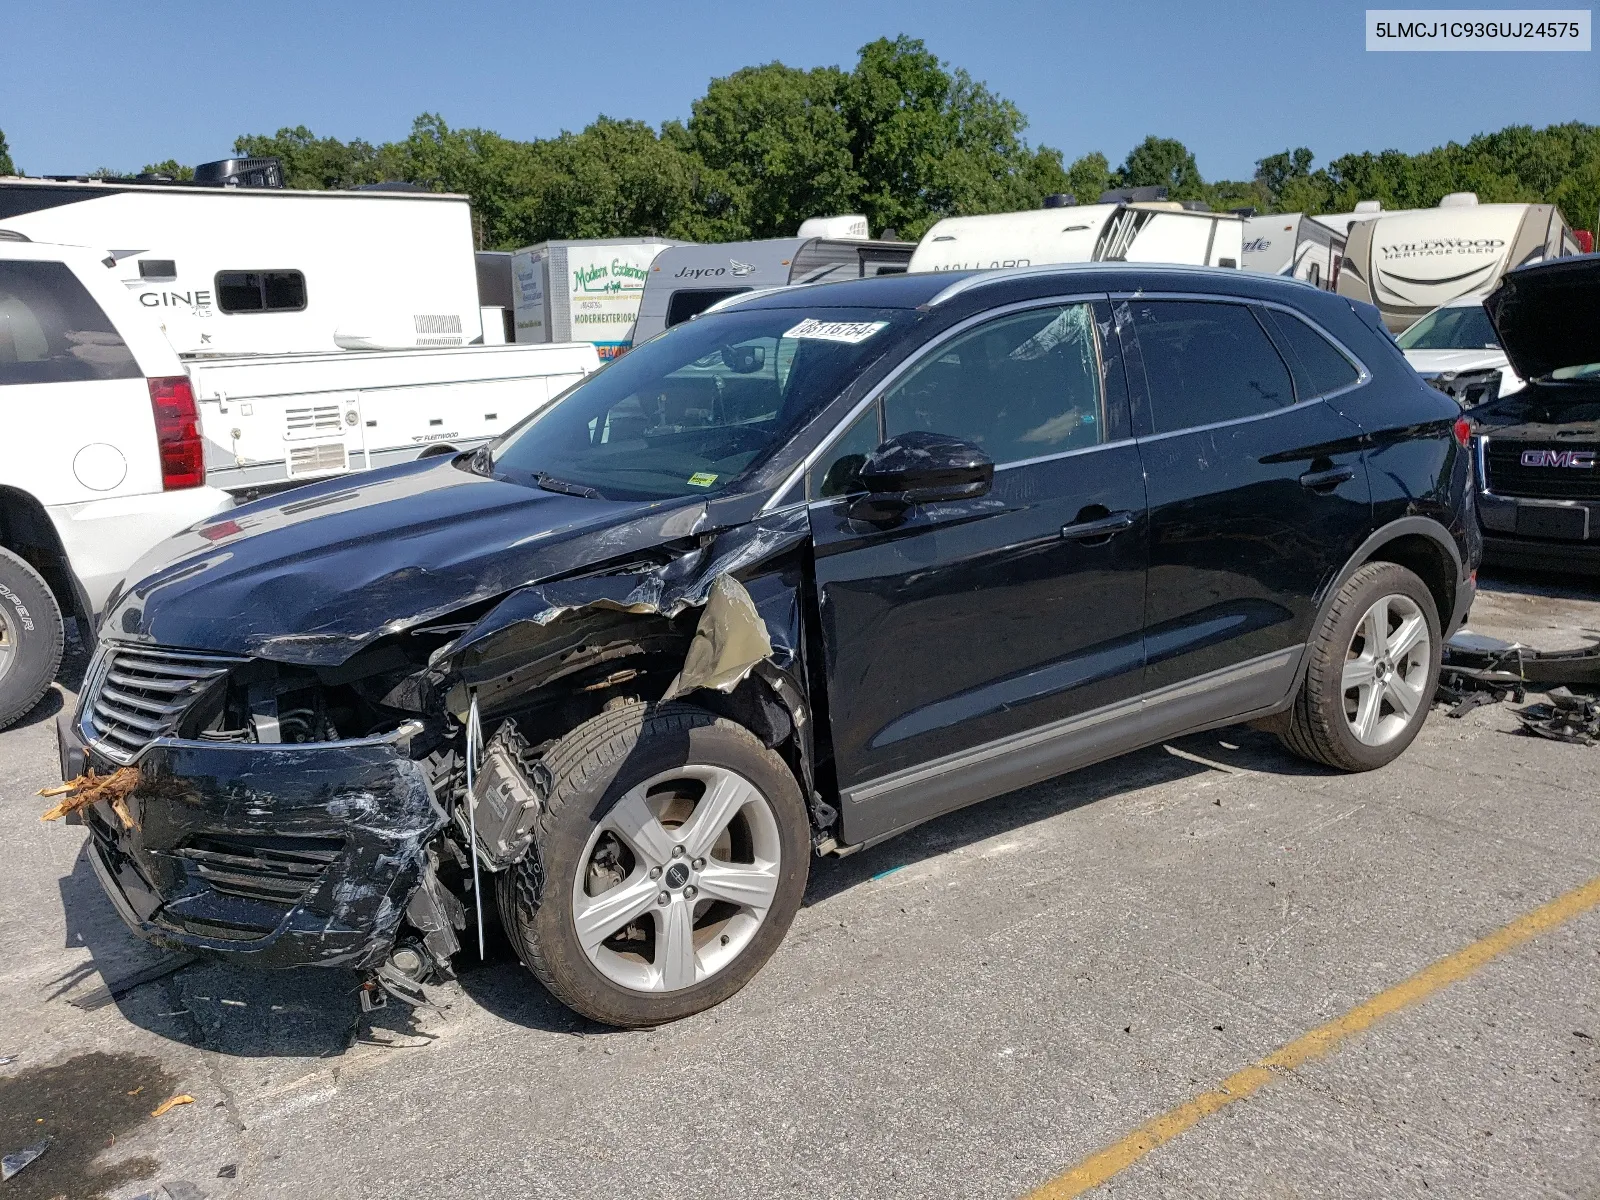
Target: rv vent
438	329
306	420
318	459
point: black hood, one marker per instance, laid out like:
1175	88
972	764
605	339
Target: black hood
1548	315
314	575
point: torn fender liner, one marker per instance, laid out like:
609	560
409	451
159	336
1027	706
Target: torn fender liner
279	855
729	641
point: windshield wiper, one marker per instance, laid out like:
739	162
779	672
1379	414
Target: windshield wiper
551	484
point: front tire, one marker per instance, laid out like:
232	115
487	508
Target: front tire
31	638
1372	673
669	858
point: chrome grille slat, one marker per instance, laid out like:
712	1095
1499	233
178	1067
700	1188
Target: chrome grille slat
136	694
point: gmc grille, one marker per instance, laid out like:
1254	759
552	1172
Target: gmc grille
1507	475
135	695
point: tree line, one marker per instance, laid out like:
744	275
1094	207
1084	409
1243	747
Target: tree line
902	137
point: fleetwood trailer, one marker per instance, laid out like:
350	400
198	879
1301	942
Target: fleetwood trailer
1409	263
585	291
686	280
265	270
1293	244
1157	231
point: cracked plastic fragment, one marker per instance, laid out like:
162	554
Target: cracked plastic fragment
728	643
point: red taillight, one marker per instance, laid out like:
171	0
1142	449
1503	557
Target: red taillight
183	457
1585	240
1463	432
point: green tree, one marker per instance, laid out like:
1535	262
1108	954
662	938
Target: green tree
313	162
1089	177
1162	162
7	167
170	167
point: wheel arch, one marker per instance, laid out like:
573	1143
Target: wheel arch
27	531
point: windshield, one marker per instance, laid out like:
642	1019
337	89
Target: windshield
1463	328
694	410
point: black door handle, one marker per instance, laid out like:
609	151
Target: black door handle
1318	481
1101	527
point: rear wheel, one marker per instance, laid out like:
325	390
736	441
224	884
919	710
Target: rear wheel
30	637
1372	674
668	861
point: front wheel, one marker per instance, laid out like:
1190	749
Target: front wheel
30	637
1374	666
669	858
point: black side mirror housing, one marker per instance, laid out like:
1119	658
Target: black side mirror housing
921	468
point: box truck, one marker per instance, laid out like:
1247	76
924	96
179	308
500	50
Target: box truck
583	290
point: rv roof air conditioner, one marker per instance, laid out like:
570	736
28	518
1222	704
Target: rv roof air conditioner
848	228
1134	195
1459	200
1368	206
1060	200
240	173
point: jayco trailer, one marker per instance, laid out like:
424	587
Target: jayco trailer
1409	263
267	270
585	291
686	280
1157	231
1295	245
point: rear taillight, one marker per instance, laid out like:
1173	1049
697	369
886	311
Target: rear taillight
183	458
1463	432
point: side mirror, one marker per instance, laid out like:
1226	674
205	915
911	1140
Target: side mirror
921	468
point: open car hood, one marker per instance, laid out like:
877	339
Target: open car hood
1548	315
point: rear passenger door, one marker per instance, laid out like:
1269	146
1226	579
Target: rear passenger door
1257	488
970	622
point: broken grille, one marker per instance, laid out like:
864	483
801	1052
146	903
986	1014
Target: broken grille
277	870
138	694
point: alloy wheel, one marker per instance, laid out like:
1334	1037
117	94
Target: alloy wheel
1386	666
677	878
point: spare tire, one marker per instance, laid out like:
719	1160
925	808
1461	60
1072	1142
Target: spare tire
30	637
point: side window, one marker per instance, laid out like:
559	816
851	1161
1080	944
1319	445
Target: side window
52	331
1206	362
260	291
691	302
1318	368
1019	387
838	472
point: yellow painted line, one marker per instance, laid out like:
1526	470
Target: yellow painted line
1119	1156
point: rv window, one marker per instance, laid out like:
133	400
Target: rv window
260	291
1207	362
691	302
1318	368
52	331
1019	387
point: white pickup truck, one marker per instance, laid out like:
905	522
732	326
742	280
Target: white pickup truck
112	442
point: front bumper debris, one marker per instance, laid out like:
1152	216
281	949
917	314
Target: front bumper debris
273	855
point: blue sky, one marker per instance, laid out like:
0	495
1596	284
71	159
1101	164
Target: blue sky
92	84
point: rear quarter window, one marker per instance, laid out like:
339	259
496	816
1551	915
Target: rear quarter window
1317	365
52	331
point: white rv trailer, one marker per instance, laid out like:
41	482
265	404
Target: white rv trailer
585	290
1295	245
271	420
267	270
1156	231
686	280
1409	263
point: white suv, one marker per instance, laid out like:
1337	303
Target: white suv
1455	348
100	458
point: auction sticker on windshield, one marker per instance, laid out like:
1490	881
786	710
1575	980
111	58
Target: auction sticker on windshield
835	331
702	479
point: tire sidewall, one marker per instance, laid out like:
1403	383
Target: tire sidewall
716	743
31	613
1391	580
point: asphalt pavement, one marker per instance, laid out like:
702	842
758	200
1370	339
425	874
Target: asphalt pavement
967	1011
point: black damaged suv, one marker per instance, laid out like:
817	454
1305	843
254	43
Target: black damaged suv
786	580
1538	448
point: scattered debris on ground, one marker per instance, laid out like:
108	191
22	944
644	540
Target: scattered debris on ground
1478	670
167	1106
17	1159
1567	718
90	788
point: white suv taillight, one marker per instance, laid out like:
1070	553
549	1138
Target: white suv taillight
183	459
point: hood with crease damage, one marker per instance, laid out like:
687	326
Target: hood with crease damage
314	575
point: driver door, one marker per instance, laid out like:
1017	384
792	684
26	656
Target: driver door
965	642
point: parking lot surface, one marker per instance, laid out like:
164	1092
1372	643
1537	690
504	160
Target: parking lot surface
967	1011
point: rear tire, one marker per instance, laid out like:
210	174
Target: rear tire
31	638
1372	672
647	802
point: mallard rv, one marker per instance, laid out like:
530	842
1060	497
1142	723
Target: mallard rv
1152	231
1408	263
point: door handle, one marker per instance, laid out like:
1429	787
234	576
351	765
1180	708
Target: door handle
1320	481
1101	527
